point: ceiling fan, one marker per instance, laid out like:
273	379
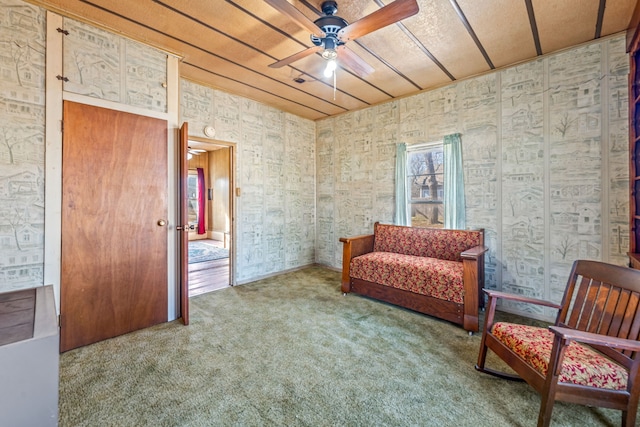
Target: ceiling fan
329	32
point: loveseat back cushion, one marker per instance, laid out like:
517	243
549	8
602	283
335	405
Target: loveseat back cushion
425	242
582	365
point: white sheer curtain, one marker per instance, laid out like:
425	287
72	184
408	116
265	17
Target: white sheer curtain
402	211
454	201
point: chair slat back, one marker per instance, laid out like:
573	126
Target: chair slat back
604	299
609	309
599	307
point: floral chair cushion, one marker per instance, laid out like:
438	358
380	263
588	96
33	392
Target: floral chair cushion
425	242
427	276
581	365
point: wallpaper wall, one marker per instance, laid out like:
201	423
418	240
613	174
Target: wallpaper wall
275	150
103	65
545	153
22	130
544	148
275	164
96	63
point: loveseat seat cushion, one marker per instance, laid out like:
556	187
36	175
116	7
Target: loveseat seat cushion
427	276
581	365
426	242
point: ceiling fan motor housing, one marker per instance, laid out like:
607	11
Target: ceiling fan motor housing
331	25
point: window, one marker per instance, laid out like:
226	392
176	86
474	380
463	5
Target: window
425	182
192	199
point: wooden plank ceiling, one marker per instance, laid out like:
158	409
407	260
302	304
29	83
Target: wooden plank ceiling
229	44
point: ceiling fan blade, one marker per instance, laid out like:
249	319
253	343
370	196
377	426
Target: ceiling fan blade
296	56
387	15
286	8
354	62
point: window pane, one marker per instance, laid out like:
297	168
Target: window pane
427	215
192	197
425	170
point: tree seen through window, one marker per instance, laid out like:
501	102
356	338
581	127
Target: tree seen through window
425	169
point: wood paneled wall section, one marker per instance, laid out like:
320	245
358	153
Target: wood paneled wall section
201	161
219	171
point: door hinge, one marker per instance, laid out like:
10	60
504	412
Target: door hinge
60	30
64	79
61	125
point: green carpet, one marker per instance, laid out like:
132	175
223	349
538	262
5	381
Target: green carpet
292	351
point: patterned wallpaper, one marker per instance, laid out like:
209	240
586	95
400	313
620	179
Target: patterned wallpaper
104	65
22	138
545	160
544	147
97	63
275	227
275	150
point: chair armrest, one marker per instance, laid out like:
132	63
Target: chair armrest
595	339
520	298
494	296
474	252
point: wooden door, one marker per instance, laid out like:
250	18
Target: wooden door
183	231
114	233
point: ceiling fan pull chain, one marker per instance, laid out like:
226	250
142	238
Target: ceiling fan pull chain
334	85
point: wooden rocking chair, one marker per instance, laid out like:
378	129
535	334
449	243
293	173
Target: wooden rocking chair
590	356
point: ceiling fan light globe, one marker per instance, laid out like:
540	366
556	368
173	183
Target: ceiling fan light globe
331	68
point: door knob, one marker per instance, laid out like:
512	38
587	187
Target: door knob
162	222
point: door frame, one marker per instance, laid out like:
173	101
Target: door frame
232	199
182	231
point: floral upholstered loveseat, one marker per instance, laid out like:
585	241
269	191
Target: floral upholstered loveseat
439	272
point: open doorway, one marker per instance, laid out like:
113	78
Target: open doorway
210	213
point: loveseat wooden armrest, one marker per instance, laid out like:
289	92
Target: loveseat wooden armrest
474	253
473	273
353	247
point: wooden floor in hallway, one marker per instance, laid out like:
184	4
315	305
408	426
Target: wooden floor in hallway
209	275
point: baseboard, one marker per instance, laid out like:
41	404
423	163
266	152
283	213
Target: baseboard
278	273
